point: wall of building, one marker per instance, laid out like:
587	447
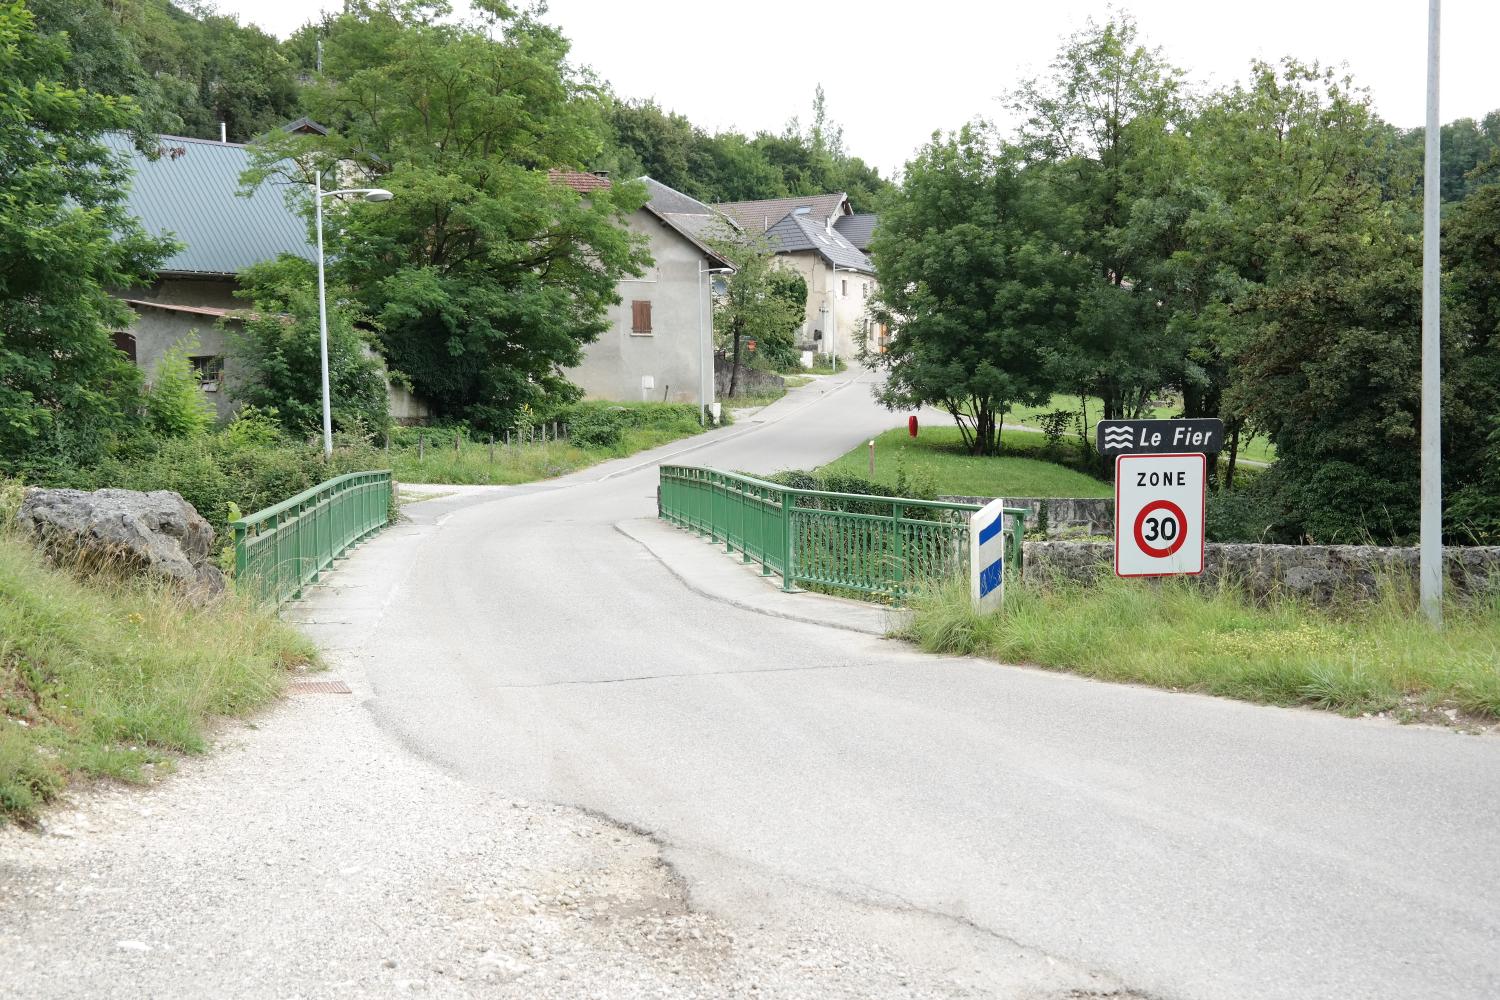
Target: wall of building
157	331
678	353
836	302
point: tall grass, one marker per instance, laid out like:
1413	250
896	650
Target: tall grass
102	677
1377	656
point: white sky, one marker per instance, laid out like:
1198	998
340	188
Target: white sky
895	71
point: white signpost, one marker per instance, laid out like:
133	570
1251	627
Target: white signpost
987	556
1159	508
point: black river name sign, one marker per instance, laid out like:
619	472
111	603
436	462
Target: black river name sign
1198	435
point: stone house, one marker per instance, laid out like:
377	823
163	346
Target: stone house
659	343
824	239
191	191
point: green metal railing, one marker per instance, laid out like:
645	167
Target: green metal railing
279	550
885	546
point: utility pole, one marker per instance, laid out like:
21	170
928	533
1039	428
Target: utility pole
1431	558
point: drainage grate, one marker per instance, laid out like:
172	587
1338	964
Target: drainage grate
318	687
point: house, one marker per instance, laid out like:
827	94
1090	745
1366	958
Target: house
659	343
823	238
191	192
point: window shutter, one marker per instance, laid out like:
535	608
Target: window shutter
640	316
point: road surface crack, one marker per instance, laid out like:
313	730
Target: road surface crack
686	674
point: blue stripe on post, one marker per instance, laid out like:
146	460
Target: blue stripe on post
992	529
989	577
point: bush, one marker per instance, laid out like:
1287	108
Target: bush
254	427
175	406
594	428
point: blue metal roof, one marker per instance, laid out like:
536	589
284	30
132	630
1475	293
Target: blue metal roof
192	193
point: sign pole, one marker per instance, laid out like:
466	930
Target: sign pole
1431	558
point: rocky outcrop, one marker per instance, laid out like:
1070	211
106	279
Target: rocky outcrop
158	534
1320	573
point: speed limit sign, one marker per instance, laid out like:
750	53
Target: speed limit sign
1159	506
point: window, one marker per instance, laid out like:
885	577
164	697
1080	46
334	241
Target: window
843	286
640	316
210	369
864	289
125	344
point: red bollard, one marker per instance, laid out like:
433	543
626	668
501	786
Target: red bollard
911	425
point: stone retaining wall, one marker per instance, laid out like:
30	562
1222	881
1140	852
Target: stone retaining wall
1064	515
1317	572
749	381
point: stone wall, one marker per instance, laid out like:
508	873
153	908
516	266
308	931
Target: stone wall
749	381
1321	573
1064	515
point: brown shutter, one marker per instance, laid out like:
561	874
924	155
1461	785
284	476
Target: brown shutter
640	316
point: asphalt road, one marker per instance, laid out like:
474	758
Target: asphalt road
1185	846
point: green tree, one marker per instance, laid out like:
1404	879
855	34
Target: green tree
976	290
280	370
757	304
484	276
65	239
1102	124
1471	363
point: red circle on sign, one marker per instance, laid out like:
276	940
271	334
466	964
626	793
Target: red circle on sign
1140	522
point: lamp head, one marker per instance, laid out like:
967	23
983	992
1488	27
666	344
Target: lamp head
378	194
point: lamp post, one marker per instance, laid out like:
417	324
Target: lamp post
702	349
369	194
1430	560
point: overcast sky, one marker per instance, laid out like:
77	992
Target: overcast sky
895	71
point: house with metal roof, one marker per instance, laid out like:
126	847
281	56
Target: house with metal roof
822	238
659	344
191	192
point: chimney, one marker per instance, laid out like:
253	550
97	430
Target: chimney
223	132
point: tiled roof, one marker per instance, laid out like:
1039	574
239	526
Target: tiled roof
579	181
759	216
691	218
796	233
857	229
192	192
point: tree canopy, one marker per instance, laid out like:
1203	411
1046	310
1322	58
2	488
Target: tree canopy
484	276
65	241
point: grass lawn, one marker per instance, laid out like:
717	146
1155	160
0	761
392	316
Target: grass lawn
936	457
1257	449
1377	657
644	426
111	679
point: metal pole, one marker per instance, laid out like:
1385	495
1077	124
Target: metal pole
702	366
322	315
1431	559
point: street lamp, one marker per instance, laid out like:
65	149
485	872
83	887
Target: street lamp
369	194
702	350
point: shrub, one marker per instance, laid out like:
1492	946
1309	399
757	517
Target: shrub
254	427
594	428
175	406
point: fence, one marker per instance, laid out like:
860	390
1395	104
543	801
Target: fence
884	546
279	550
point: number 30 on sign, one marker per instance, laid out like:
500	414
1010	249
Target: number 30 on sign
1159	507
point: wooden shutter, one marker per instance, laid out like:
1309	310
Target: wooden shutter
640	316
